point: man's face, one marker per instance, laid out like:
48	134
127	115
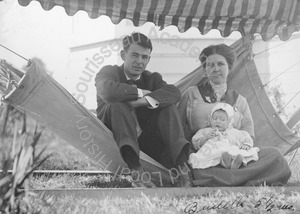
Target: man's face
219	120
135	60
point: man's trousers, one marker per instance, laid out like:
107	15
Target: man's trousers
162	136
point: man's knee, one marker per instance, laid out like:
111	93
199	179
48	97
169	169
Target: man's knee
169	116
118	108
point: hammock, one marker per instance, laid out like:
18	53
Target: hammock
40	96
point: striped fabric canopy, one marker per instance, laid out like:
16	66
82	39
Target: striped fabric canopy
266	17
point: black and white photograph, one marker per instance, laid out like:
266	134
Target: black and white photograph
158	106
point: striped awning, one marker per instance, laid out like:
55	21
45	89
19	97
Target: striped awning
266	17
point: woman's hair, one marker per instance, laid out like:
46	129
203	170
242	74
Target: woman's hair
226	51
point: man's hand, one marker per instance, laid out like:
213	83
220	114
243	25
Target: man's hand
138	103
145	92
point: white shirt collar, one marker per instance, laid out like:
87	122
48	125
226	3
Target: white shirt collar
128	78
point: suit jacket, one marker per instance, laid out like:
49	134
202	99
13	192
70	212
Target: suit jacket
112	86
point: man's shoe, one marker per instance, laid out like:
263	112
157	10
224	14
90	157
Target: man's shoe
185	179
140	178
226	160
237	162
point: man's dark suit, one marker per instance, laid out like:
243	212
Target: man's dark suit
162	137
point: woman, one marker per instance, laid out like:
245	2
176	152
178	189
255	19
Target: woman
196	105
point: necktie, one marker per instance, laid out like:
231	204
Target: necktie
132	82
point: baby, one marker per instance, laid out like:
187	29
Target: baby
221	143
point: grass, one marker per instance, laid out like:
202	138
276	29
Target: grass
295	178
262	200
64	156
68	181
24	159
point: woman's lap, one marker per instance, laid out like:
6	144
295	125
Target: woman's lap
270	169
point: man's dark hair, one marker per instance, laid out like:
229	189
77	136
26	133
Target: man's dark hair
137	38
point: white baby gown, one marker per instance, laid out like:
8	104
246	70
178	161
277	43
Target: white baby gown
230	141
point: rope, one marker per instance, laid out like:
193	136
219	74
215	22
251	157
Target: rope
296	37
295	152
289	101
283	43
15	53
281	74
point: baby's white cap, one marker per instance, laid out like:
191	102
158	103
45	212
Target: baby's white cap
224	106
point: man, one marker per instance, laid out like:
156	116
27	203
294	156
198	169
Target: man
139	107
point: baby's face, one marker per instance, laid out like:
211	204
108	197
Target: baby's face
219	120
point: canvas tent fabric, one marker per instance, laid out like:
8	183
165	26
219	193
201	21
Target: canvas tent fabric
266	17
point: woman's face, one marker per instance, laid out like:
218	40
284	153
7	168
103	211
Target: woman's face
217	69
